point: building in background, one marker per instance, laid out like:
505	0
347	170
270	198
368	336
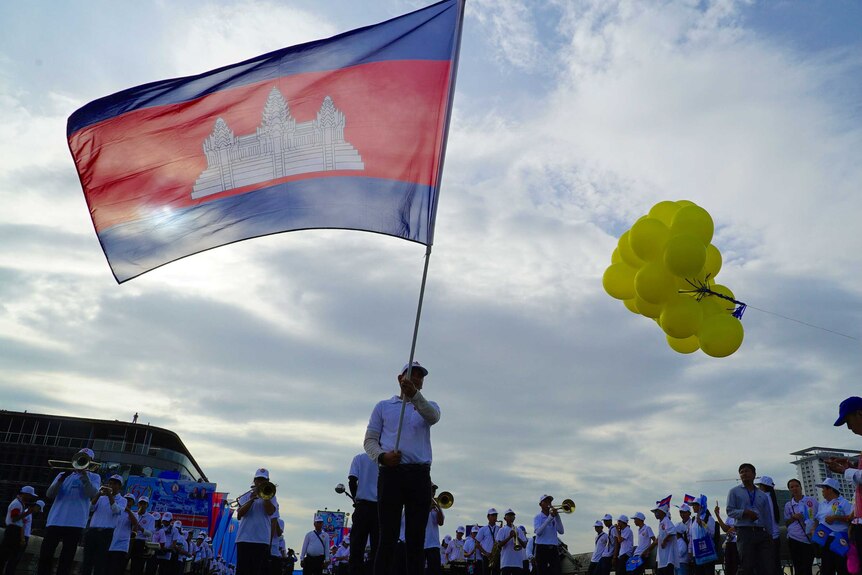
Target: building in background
811	469
29	440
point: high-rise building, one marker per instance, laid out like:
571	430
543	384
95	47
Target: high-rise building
811	469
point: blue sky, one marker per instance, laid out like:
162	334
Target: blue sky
571	120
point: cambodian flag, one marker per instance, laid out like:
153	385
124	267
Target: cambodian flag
664	502
348	132
689	499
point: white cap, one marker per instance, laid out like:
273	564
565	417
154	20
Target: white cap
764	480
345	541
41	504
28	490
460	529
599	524
262	473
607	517
178	524
130	496
623	518
664	508
116	477
143	498
492	511
639	515
157	516
416	367
167	516
209	539
508	512
475	529
88	451
317	517
830	482
684	508
543	497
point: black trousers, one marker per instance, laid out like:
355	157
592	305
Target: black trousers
620	568
433	566
605	566
511	571
97	541
116	562
68	537
313	565
830	562
11	548
365	524
756	551
801	555
731	558
252	559
406	487
548	560
486	567
276	563
137	551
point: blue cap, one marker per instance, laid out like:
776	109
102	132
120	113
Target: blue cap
848	406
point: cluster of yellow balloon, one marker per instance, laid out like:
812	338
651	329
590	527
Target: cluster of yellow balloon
663	267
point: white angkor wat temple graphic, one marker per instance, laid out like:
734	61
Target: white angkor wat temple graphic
280	147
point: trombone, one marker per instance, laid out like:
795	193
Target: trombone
445	500
567	506
81	462
266	492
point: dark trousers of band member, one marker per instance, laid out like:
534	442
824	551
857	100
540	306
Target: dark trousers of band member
547	560
252	558
68	537
620	566
10	548
604	566
408	487
511	571
276	564
487	569
365	524
137	555
756	551
801	555
433	566
116	562
97	541
313	565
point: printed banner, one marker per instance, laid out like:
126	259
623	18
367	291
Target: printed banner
188	501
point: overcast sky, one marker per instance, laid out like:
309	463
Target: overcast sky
571	119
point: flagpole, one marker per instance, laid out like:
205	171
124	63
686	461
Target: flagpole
413	344
453	76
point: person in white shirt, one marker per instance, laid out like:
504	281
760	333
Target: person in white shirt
444	551
107	506
666	557
315	549
601	546
835	512
342	557
67	518
277	549
611	545
646	541
472	555
731	554
257	520
547	525
405	473
362	483
118	551
767	485
682	532
164	538
14	536
455	549
701	521
138	544
433	564
799	515
624	545
512	543
486	538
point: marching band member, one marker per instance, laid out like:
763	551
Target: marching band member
164	536
666	559
362	483
180	549
646	541
315	549
121	535
683	529
14	537
511	559
472	553
405	475
595	567
37	509
277	549
547	525
342	557
455	549
624	545
138	544
107	506
486	537
433	564
151	565
199	552
444	550
611	545
257	518
71	492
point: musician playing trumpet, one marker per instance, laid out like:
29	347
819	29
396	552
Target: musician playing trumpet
513	542
258	520
548	526
107	507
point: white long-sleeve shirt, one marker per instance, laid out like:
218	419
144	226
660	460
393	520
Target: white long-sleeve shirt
547	527
316	545
601	547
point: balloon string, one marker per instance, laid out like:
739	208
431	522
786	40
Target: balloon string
702	289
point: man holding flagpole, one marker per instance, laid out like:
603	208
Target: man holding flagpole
398	438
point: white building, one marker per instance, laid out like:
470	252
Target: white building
811	469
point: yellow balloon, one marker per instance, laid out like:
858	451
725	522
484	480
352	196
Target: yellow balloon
648	237
652	310
713	263
626	252
723	290
720	335
616	257
654	283
631	305
712	305
693	220
664	212
619	281
681	317
685	255
684	203
687	345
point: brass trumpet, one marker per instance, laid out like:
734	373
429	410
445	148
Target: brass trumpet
81	462
567	506
445	500
266	492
